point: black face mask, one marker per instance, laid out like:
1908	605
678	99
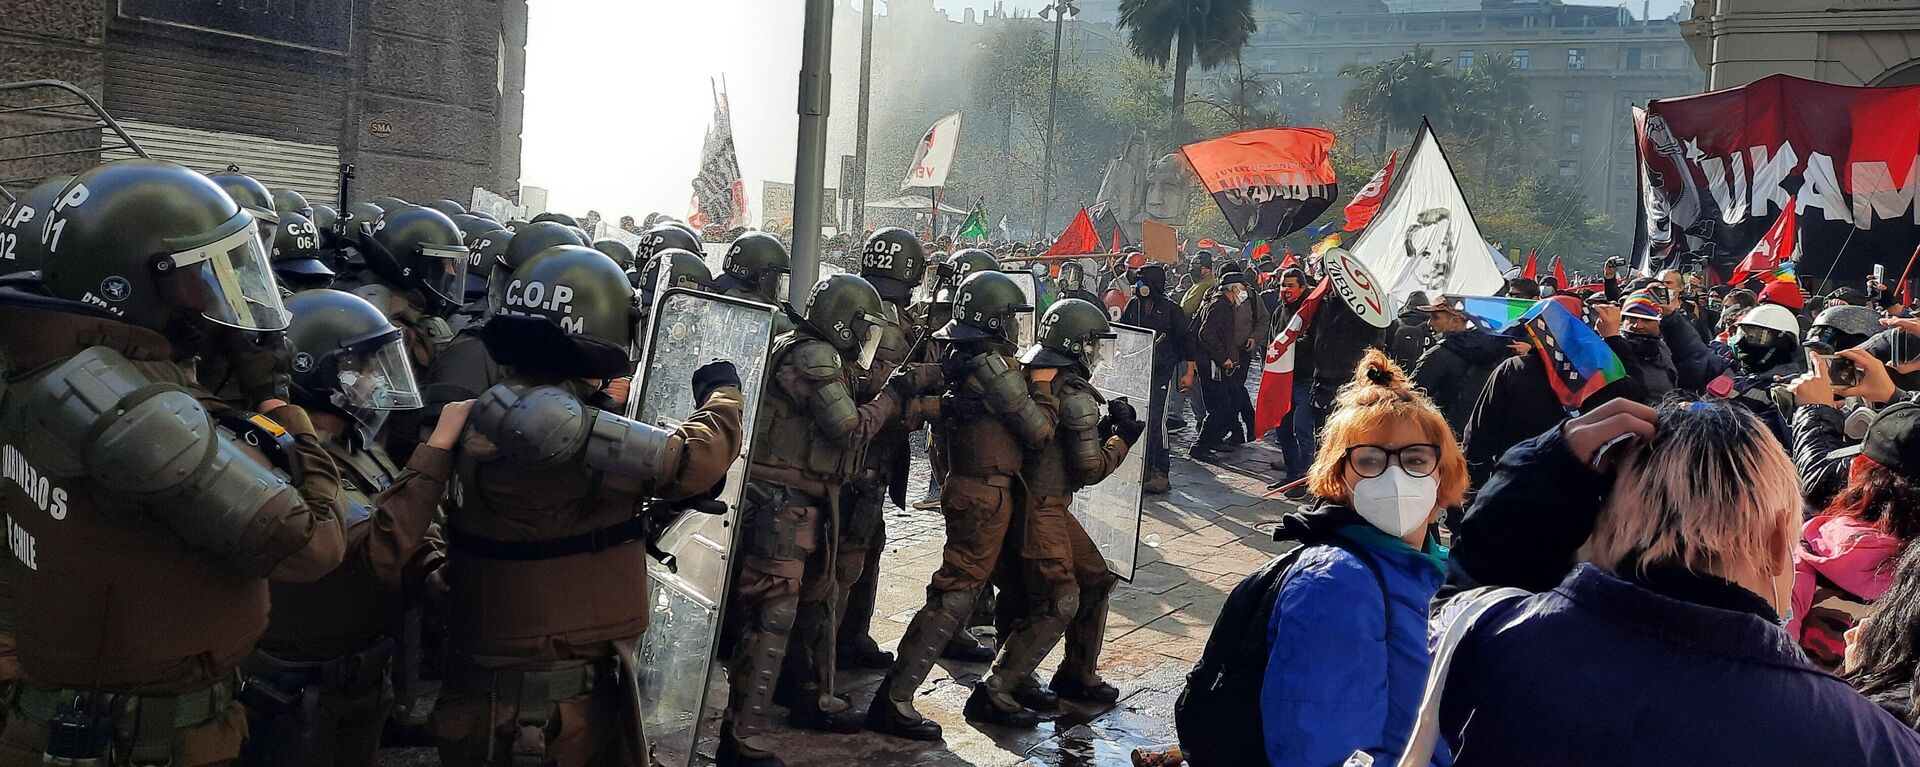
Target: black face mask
1757	358
1646	346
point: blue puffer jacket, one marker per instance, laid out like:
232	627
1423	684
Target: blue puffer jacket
1340	678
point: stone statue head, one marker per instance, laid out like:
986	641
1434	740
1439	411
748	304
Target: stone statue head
1167	190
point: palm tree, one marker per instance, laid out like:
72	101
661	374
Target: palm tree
1495	108
1395	94
1185	31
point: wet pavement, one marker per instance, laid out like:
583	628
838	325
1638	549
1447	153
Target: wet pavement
1198	542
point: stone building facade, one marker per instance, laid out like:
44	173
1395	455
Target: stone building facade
1851	42
423	97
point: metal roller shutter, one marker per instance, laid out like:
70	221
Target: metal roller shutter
313	170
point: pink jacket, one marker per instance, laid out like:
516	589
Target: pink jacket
1854	555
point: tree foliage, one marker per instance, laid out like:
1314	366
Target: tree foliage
1185	32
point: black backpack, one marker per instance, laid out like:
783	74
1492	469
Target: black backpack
1218	714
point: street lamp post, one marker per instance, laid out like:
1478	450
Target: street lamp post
859	226
1061	10
810	158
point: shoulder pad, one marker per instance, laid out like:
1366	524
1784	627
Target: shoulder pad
817	360
1079	407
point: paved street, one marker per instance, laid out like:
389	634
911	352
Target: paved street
1200	540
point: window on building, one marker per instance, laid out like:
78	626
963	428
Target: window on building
1269	64
1651	60
1570	138
1569	169
1464	60
1316	62
1573	103
1522	58
1633	59
1576	58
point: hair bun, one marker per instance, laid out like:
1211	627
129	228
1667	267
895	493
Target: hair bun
1379	376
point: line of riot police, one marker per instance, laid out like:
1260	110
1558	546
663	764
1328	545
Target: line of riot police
292	481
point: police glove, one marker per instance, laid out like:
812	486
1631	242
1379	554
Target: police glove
1121	421
712	376
913	380
261	363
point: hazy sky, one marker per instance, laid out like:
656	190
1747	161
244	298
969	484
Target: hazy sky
618	98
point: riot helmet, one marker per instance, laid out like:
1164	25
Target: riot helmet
251	195
759	262
986	306
488	249
520	248
1072	332
846	311
448	207
567	312
420	248
673	268
618	251
959	266
21	246
470	225
1073	276
151	242
348	358
663	236
1841	327
558	218
289	201
389	203
365	214
295	253
324	217
894	261
1765	337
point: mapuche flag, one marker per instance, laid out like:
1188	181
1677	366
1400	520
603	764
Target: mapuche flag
1276	376
1269	182
719	194
1578	361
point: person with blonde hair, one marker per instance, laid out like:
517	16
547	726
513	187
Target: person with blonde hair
1659	547
1347	655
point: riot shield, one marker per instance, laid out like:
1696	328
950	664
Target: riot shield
1110	511
1030	287
690	329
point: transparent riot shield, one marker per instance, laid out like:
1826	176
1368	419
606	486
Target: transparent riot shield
1110	511
690	329
1030	287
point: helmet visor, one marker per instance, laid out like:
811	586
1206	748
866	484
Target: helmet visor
1100	355
444	272
1756	335
1020	328
870	334
782	286
497	286
228	282
376	375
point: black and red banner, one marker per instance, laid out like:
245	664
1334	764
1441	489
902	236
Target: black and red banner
1269	182
1716	170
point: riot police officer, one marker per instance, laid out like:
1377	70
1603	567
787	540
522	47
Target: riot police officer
144	530
253	196
988	419
1056	582
546	569
417	275
894	262
618	251
809	438
20	225
289	201
316	691
666	269
755	268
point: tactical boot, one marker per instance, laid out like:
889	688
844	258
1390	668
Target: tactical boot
998	707
892	710
821	714
967	648
886	718
1031	694
1072	688
1078	677
863	652
1156	483
735	752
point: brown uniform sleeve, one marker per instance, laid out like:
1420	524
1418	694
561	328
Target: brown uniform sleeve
1112	452
403	513
709	442
317	527
831	403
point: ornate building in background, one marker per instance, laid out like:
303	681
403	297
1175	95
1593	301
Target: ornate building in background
1852	42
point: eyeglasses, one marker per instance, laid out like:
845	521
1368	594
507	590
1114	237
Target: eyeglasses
1417	460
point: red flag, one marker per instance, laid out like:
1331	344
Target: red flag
1532	270
1276	377
1367	202
1559	273
1078	240
1775	246
1116	241
1288	259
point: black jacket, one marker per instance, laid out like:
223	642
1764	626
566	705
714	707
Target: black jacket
1335	342
1173	342
1693	362
1408	337
1822	453
1455	371
1519	403
1649	363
